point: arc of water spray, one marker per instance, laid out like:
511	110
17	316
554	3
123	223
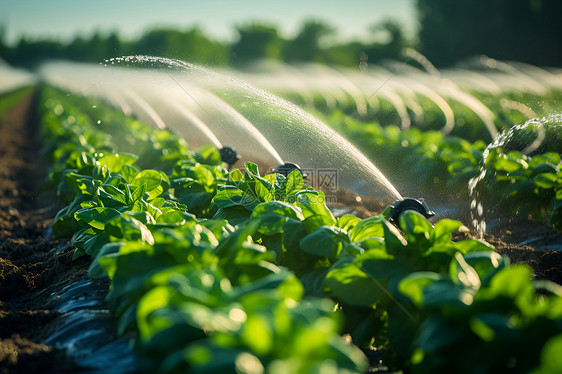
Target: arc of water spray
351	89
476	106
376	91
443	106
201	106
125	107
194	120
260	138
145	107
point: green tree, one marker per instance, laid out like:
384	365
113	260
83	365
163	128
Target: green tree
30	52
524	30
256	41
191	45
392	45
307	45
95	49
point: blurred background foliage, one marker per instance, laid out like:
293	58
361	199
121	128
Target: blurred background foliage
448	32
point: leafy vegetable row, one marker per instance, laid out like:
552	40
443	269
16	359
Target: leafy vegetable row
510	181
236	271
199	293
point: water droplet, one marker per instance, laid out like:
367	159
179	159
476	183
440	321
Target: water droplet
99	121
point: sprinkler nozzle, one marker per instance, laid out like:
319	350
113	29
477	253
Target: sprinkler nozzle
229	156
409	203
287	168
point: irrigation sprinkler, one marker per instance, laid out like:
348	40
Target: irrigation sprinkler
287	168
409	203
229	156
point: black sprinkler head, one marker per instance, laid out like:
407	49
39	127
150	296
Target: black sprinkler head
288	167
409	203
229	155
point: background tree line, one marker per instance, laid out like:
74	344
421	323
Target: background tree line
254	41
448	32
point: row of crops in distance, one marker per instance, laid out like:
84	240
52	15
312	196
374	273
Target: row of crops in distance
510	181
208	280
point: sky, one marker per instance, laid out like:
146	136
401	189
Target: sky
63	19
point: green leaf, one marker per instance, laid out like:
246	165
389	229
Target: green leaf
175	218
129	228
486	263
346	222
512	282
227	197
370	227
351	285
264	189
129	172
294	182
63	225
235	175
115	162
96	217
313	203
472	245
464	274
95	243
381	265
209	155
138	192
204	176
413	285
435	290
326	241
417	229
393	239
151	178
252	169
551	360
482	330
273	215
443	230
547	180
95	270
111	197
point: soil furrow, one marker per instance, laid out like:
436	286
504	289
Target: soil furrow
28	261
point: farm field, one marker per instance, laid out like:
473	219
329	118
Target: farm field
131	242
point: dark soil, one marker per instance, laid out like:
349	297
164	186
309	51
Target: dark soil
546	263
28	259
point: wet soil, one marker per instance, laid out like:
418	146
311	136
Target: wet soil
530	243
30	261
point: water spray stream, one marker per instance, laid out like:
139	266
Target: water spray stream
145	107
283	125
243	133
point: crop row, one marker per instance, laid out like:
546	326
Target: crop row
214	270
509	181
